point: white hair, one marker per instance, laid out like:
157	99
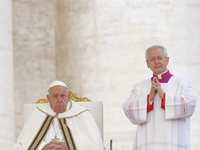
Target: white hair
153	47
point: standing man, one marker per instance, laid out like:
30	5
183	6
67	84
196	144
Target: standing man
60	125
161	106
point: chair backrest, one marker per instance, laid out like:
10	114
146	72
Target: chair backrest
96	108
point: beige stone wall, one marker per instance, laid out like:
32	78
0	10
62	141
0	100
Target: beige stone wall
34	52
6	76
97	48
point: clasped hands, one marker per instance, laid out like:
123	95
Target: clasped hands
155	89
55	145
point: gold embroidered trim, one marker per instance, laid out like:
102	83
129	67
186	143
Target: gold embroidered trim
67	135
65	117
77	114
69	108
41	133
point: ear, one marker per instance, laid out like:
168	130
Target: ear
48	97
167	60
147	64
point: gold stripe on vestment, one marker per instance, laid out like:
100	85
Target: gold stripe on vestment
67	135
41	133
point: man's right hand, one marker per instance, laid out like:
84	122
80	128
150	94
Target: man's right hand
153	90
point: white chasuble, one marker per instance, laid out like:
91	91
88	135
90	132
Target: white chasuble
162	129
83	127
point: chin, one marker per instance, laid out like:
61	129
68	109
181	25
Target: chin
59	111
158	71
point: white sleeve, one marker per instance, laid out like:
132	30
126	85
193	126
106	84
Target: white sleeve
135	108
182	102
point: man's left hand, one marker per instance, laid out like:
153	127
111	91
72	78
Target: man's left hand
55	145
156	85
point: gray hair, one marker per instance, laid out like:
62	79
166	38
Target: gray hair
153	47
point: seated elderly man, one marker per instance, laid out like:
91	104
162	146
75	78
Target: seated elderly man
61	124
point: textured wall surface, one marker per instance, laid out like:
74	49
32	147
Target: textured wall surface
101	52
6	77
97	47
34	52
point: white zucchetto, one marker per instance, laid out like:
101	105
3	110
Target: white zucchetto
55	83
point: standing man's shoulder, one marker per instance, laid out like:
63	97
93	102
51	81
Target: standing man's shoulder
142	86
142	83
180	80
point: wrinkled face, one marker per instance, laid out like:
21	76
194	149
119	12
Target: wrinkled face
157	61
58	98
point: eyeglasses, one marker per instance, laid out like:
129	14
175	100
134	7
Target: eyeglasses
153	59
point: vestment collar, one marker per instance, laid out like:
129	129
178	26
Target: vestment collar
164	77
73	109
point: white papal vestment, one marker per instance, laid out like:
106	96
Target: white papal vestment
162	129
84	129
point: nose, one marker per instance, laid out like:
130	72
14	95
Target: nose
156	60
59	99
